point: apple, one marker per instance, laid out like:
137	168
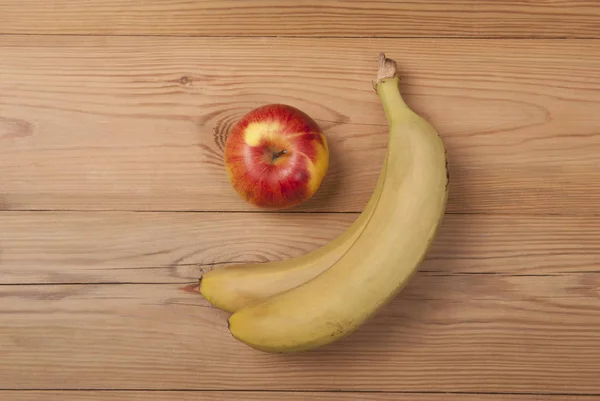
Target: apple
276	156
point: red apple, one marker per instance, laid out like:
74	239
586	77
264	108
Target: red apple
276	156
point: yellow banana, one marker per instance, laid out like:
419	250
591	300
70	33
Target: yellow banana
386	254
233	287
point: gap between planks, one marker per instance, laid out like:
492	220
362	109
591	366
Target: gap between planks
516	37
292	212
316	392
266	395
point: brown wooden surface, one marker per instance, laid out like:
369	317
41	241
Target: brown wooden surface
268	396
125	247
106	123
528	334
416	18
114	199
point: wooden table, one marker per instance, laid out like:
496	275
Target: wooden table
113	196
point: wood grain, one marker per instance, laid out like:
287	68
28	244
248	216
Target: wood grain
118	123
106	247
430	339
270	395
440	18
113	116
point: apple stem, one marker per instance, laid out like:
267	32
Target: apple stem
278	154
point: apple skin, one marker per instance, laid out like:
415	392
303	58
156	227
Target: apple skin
276	156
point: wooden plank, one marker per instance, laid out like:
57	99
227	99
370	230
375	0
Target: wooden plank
138	123
430	339
103	247
69	247
488	18
270	395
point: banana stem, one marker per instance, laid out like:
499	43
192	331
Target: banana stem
388	90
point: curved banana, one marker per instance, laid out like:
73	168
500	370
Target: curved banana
233	287
381	260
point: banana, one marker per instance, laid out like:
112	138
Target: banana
384	257
235	286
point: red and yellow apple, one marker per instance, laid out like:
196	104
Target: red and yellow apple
276	156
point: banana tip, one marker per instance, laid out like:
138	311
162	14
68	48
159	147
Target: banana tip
193	288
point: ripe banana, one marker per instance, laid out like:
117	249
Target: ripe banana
235	286
385	255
